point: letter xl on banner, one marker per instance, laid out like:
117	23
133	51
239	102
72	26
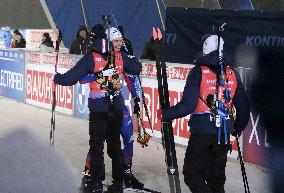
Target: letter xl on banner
39	85
12	74
256	141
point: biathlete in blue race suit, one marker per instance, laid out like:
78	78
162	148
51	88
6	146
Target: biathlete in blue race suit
106	105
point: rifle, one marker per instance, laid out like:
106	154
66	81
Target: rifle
220	82
110	83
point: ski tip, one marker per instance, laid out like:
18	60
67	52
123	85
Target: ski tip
157	34
142	190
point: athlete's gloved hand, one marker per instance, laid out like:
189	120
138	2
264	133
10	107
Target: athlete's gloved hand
136	105
53	75
159	114
237	133
109	72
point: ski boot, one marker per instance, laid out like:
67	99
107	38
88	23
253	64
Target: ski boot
129	180
97	187
87	182
116	187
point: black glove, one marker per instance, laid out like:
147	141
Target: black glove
136	105
53	75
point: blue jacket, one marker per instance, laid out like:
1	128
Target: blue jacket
7	39
201	124
85	66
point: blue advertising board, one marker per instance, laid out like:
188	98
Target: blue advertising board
81	95
12	74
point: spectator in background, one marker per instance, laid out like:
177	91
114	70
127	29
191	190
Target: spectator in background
19	41
81	44
46	40
98	31
149	50
7	36
127	48
46	43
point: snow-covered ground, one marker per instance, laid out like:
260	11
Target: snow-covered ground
71	146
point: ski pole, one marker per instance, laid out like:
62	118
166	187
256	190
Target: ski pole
52	124
244	175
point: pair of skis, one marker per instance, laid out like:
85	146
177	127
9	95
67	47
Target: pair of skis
140	190
128	190
167	129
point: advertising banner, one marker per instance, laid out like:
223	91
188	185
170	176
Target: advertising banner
12	74
81	95
248	35
39	85
256	141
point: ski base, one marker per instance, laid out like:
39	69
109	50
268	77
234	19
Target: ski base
128	190
80	190
141	190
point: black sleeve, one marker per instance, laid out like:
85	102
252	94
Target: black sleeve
129	47
83	67
131	65
189	99
22	43
50	44
145	52
242	105
73	48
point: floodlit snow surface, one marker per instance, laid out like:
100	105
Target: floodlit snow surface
29	165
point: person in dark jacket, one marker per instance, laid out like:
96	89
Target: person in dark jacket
98	31
19	41
46	43
149	50
81	44
206	154
46	40
127	48
105	104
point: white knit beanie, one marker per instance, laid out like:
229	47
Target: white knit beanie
114	34
211	44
